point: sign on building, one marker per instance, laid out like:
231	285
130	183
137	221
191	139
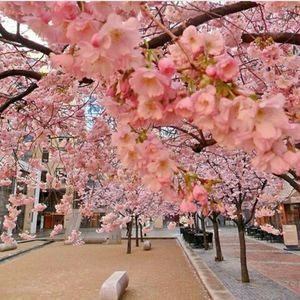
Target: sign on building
290	235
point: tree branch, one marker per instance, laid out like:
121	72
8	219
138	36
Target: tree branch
254	205
215	13
12	100
290	180
23	41
18	72
278	37
203	144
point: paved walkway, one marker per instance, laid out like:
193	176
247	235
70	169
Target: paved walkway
22	248
92	234
60	272
274	273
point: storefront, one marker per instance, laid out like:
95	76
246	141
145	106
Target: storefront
49	217
290	211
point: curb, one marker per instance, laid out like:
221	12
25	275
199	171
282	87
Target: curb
8	257
213	285
153	238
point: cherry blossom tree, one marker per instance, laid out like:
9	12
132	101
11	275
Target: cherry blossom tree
126	200
241	190
222	74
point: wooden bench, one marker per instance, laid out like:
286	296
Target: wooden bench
114	287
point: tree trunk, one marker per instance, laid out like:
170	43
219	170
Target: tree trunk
219	256
195	217
141	233
243	256
136	232
129	237
204	233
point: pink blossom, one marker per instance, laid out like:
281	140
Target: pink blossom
117	37
56	230
185	107
9	223
86	210
75	238
7	238
226	68
264	212
172	225
94	62
62	60
211	71
152	182
65	11
148	83
163	166
270	229
191	39
187	206
213	43
5	182
82	28
204	102
271	54
39	207
124	138
200	194
65	205
20	199
149	108
166	66
270	162
26	236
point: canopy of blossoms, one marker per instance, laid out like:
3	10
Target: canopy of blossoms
224	74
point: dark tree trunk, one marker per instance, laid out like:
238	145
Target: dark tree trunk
219	256
141	233
129	228
243	256
204	233
195	216
136	232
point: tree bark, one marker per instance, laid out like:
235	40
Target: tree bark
215	13
243	255
278	37
23	42
219	256
204	233
129	227
141	233
196	221
136	232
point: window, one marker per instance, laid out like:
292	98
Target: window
45	156
44	176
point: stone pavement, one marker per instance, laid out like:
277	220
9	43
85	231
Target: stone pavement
274	273
22	248
59	272
214	286
92	234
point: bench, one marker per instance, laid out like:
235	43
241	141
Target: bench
114	287
7	247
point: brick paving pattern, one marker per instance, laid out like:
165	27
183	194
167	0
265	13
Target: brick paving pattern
274	273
